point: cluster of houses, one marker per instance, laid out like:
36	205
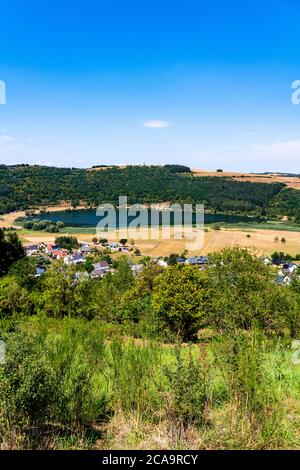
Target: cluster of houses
48	252
115	247
286	273
195	261
286	270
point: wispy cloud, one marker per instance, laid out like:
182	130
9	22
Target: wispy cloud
5	137
157	124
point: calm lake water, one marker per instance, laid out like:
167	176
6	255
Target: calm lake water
88	218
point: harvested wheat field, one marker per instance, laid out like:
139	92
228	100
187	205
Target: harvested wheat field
289	181
263	241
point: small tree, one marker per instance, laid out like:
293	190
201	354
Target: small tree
123	241
173	259
11	250
75	203
88	266
180	296
67	242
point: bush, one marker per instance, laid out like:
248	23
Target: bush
243	292
28	389
14	299
47	387
189	387
180	299
67	242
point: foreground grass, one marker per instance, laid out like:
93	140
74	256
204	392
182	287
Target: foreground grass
77	384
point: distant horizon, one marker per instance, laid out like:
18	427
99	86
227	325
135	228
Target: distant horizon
104	165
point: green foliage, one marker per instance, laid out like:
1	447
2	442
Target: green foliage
244	292
24	271
172	259
241	358
65	379
84	351
27	383
180	299
123	277
14	299
88	265
190	390
23	186
252	385
47	225
178	168
11	250
281	256
132	370
56	297
67	242
46	387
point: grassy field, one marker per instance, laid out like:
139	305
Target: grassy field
110	391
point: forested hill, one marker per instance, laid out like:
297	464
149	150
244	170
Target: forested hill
25	186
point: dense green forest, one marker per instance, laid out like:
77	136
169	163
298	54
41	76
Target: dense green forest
174	358
25	186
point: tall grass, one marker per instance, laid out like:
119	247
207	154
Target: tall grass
77	384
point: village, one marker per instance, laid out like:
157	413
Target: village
95	264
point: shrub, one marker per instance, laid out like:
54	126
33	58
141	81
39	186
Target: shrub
67	242
189	387
27	393
180	298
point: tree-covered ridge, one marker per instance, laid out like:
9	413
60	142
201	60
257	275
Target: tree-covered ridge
24	186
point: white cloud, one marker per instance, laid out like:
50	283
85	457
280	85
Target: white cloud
4	137
157	124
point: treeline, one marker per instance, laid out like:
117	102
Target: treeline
26	186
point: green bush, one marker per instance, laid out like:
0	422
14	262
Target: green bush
48	387
28	390
189	386
180	299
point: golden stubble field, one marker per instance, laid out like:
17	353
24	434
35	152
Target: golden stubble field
289	181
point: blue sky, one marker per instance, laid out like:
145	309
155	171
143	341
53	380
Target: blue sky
207	84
